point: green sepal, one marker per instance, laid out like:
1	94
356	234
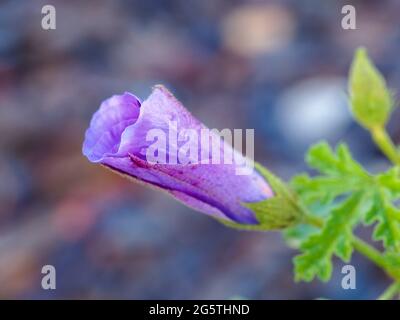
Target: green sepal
280	211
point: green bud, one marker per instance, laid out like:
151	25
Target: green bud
370	100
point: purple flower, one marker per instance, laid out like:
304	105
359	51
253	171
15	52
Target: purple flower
117	138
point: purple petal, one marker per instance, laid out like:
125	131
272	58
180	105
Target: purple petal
104	134
117	139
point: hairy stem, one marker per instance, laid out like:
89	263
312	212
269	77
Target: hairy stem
390	292
385	143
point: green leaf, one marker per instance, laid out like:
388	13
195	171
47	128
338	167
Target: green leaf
334	238
387	218
383	212
340	175
344	248
322	158
370	100
294	236
390	180
323	189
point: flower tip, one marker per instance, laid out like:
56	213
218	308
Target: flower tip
103	136
361	52
162	89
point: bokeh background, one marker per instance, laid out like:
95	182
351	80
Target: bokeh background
279	67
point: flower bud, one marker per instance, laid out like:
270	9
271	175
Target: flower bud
370	100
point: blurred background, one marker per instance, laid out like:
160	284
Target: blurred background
279	67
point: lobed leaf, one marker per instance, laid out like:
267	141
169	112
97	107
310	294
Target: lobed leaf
340	174
334	238
387	218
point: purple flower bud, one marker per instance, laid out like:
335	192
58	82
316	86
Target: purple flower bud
118	138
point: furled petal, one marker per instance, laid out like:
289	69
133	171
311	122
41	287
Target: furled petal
117	139
104	134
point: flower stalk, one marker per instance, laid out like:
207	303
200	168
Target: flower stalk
390	292
385	143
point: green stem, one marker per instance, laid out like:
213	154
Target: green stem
385	143
371	253
313	220
390	292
